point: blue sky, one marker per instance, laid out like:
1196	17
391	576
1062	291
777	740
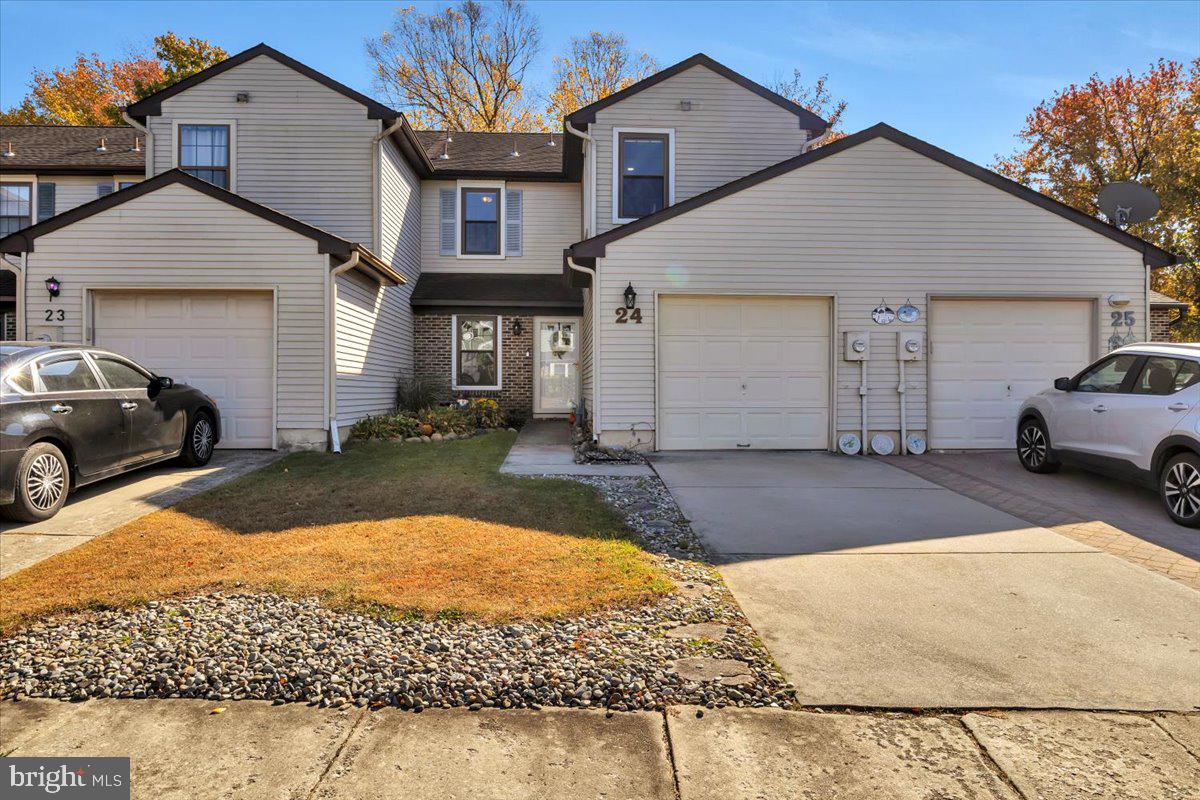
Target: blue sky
960	75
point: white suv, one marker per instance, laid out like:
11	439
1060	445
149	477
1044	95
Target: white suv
1133	414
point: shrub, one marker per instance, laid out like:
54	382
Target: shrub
420	392
447	420
486	413
388	426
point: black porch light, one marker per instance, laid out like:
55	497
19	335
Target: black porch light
630	296
53	286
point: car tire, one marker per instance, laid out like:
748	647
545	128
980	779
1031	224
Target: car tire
199	440
1179	488
43	481
1033	448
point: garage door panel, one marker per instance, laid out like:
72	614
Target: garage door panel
988	356
222	343
755	372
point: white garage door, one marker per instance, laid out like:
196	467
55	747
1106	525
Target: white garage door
743	372
220	342
988	356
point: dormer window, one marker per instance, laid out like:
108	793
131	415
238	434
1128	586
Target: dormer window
204	152
643	180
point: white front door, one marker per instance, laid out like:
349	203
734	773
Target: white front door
556	381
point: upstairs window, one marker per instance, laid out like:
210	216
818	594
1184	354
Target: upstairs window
480	222
204	152
643	174
16	207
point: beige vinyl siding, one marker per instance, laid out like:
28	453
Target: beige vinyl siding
875	221
301	147
550	219
731	133
586	377
75	190
176	238
375	327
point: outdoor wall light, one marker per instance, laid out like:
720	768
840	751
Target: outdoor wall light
518	328
53	286
630	297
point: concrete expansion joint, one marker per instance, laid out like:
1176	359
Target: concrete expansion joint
671	754
992	766
337	753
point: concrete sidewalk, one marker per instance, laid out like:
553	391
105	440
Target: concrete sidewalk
544	448
179	749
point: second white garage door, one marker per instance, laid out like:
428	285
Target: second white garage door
220	342
988	356
743	372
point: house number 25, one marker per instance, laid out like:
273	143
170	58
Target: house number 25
627	315
55	315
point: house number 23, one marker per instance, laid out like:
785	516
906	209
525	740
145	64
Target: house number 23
55	315
627	315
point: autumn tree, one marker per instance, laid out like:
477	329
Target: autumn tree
1131	128
92	91
462	68
594	67
816	97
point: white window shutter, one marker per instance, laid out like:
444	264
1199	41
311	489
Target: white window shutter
449	221
512	222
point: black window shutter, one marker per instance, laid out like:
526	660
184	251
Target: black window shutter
45	201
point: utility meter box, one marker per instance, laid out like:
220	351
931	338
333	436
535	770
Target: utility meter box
858	346
909	345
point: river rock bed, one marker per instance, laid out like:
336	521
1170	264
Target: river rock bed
226	646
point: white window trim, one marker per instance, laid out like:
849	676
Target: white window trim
458	219
616	166
454	354
232	123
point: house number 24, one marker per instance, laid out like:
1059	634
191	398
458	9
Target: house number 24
627	315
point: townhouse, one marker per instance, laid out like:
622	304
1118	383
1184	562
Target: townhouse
681	264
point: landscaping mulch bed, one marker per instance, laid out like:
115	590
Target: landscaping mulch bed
693	646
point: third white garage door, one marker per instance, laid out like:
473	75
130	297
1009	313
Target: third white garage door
220	342
988	356
743	372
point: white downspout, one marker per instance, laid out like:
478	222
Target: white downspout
590	152
377	185
862	395
133	123
811	143
903	412
595	297
335	443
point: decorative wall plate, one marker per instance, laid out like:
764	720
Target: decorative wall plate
916	444
849	444
882	444
882	314
908	312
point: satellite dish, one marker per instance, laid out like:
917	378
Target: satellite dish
1126	202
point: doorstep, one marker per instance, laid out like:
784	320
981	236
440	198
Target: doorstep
544	448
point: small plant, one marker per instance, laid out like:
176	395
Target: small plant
447	419
486	413
388	426
418	393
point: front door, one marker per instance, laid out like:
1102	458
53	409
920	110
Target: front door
556	389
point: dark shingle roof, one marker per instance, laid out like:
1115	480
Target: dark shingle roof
71	148
490	154
494	289
1165	301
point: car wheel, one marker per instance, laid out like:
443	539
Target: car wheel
199	441
1033	448
43	480
1179	487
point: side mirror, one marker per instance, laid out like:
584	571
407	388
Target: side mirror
157	384
1064	384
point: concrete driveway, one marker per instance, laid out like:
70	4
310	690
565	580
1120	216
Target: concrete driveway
873	587
102	506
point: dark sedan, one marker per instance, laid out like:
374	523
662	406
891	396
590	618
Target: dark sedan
72	414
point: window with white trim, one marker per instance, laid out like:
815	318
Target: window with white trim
480	214
476	351
204	152
643	173
16	207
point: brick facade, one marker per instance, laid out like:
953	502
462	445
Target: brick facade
434	356
1160	323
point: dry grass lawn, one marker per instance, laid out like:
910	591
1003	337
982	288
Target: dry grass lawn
417	529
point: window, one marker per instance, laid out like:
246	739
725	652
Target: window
16	207
1108	375
1163	375
204	152
126	184
643	174
21	380
66	374
476	347
121	375
480	222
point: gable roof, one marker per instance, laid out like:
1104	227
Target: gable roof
151	106
1151	255
23	240
489	155
71	149
809	120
